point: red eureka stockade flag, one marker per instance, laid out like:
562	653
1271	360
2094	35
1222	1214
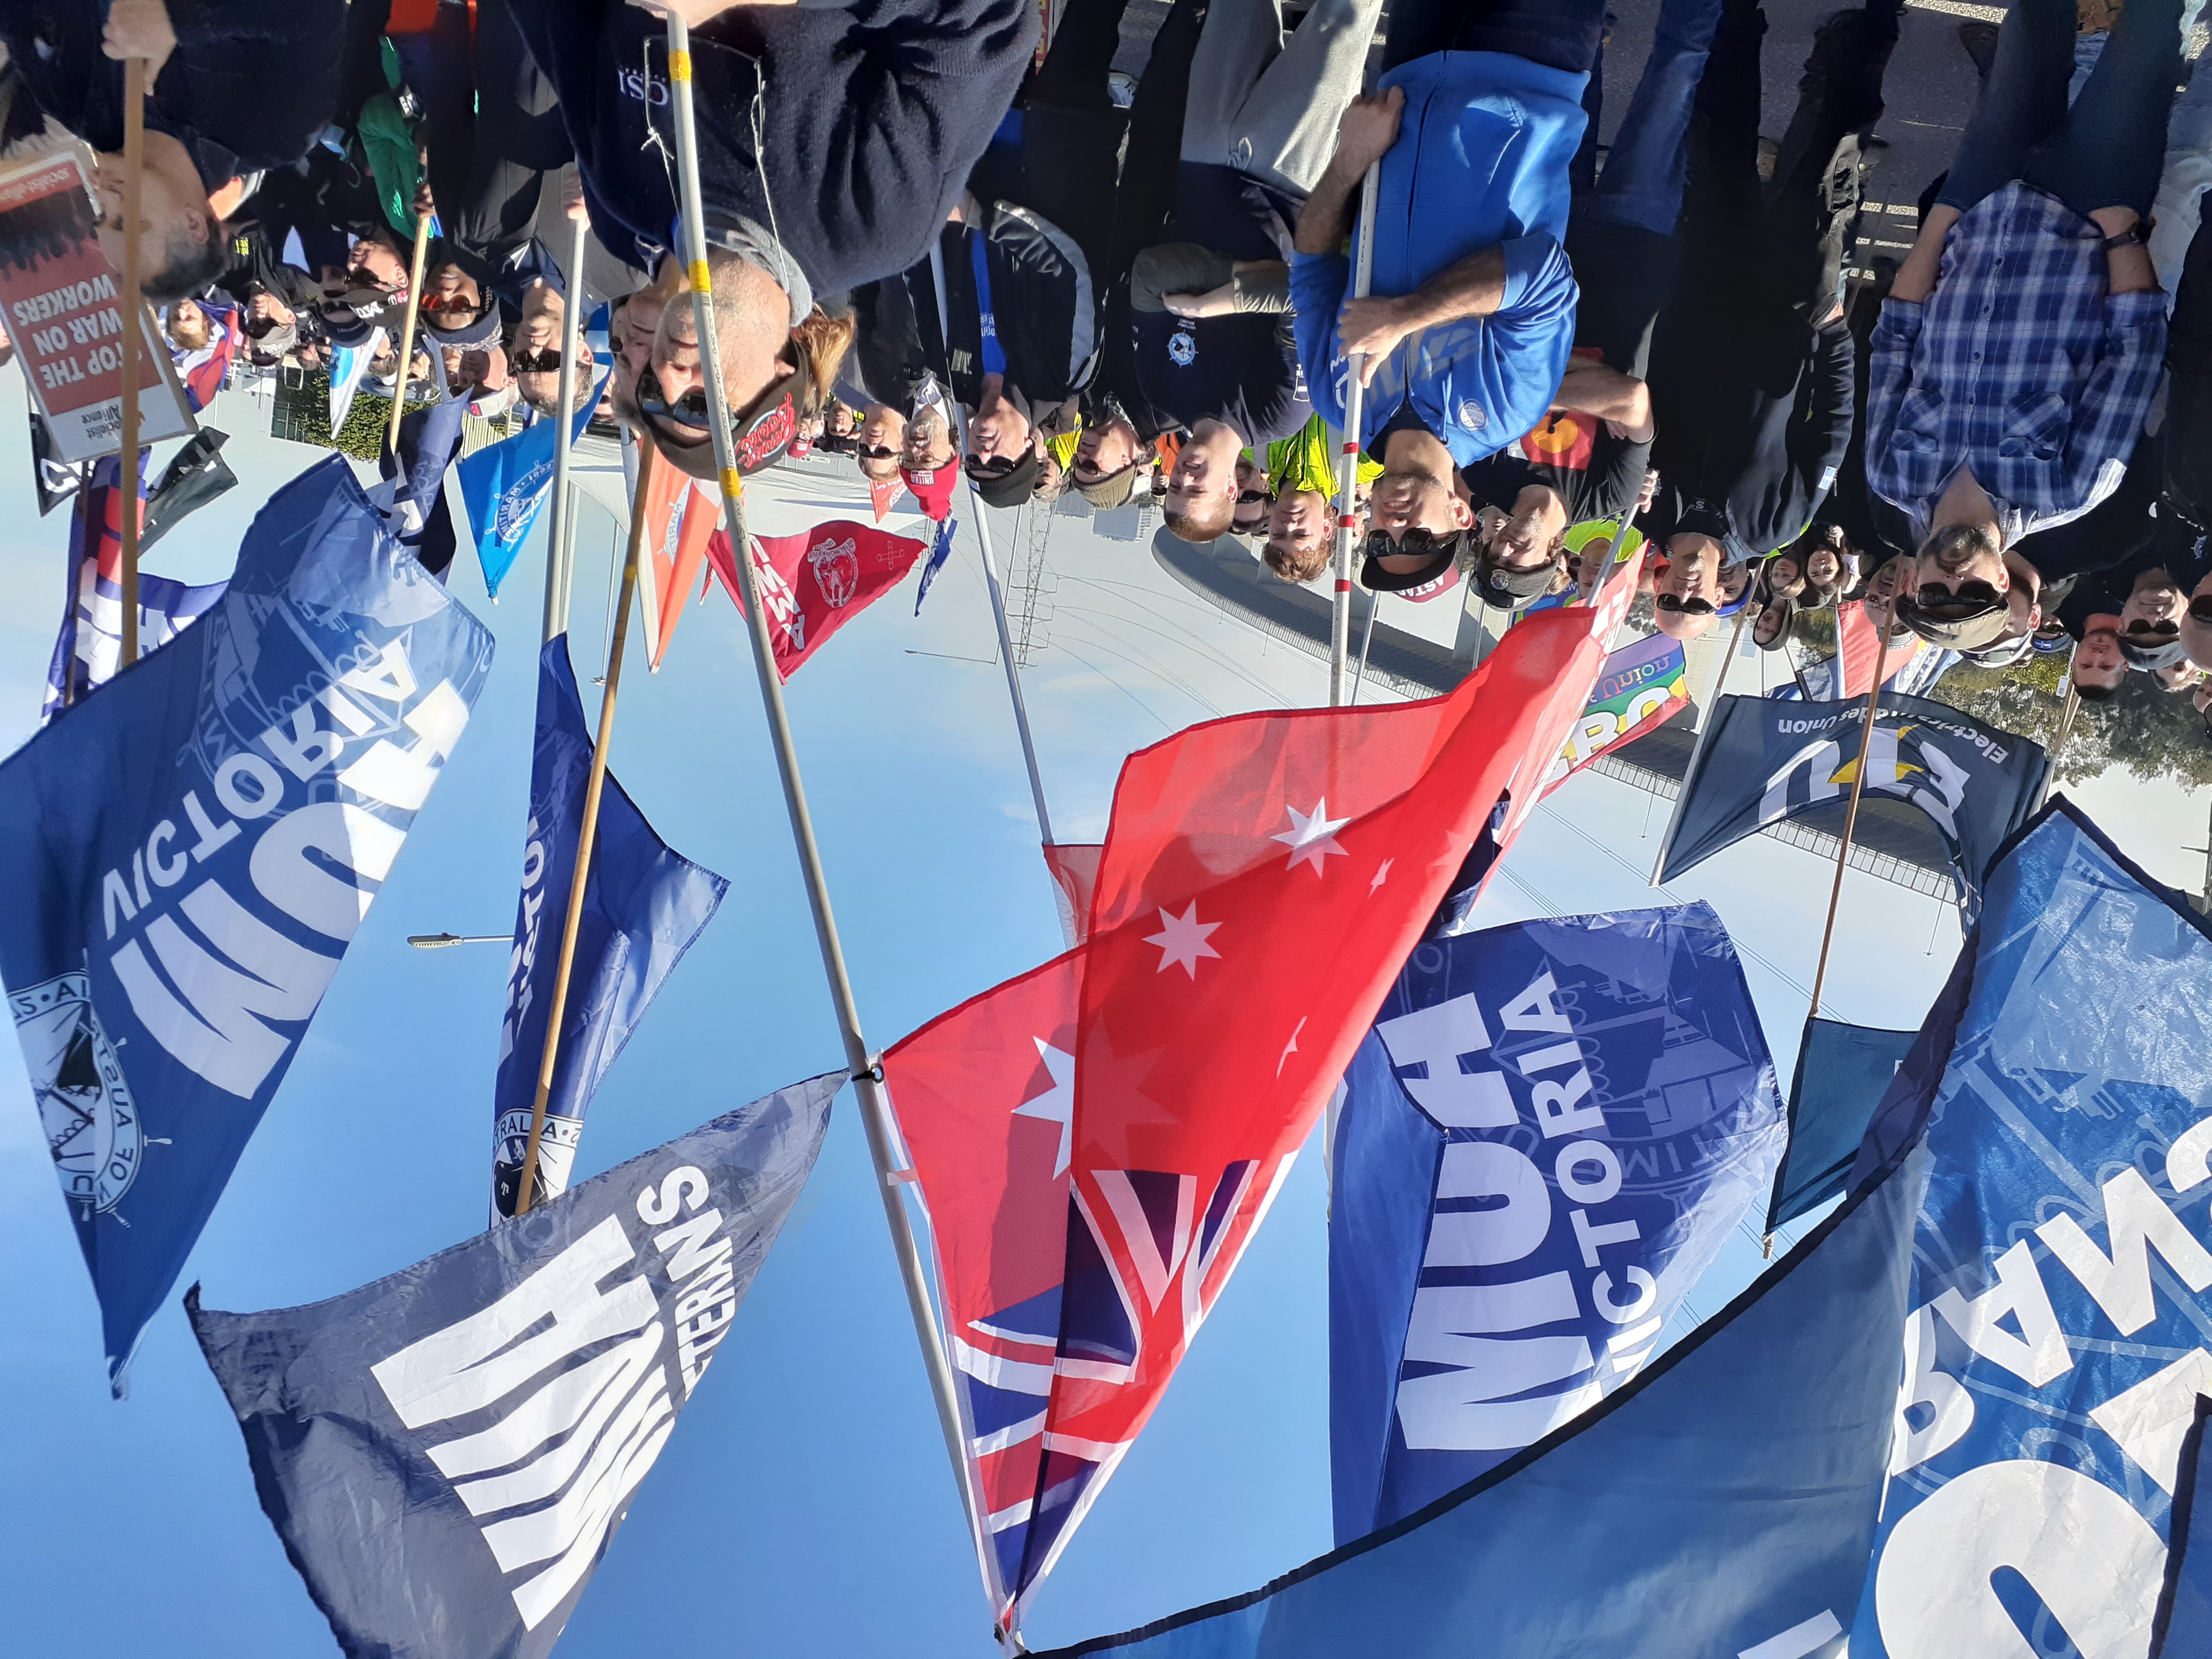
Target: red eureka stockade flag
1262	880
813	584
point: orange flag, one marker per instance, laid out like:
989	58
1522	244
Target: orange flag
679	517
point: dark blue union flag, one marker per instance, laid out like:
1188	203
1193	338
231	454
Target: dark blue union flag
644	905
190	852
447	1452
1767	761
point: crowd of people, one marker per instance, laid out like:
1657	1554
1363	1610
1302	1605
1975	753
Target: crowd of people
961	261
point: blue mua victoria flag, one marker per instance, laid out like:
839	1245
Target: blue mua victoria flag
447	1452
191	849
1546	1137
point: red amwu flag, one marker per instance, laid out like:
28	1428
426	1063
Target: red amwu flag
1096	1140
811	585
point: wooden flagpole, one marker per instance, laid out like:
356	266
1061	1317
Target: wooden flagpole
593	787
2073	707
407	332
134	178
1850	816
1347	476
865	1069
561	550
1697	749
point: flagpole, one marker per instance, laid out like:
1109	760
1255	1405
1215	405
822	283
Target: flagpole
1347	478
2073	705
1366	639
560	555
407	332
589	834
1851	818
866	1071
990	565
1697	749
134	172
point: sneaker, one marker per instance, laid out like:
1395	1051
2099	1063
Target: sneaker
1122	89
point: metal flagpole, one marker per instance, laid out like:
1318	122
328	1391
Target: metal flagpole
867	1074
1851	818
2073	707
592	788
990	563
1366	639
560	553
1347	476
134	172
1697	749
407	332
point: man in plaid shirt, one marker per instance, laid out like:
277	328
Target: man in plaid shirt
2017	355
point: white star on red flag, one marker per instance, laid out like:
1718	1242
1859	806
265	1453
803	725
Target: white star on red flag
1057	1103
1312	835
1182	940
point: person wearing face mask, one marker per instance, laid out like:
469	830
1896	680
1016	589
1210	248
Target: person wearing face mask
235	86
832	144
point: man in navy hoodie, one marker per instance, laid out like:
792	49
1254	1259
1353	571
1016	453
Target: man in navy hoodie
832	144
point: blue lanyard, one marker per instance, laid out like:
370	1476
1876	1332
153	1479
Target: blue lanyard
994	354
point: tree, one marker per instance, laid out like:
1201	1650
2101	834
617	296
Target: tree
2150	732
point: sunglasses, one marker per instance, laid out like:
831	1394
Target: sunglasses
1969	592
540	362
759	432
1247	497
877	452
1687	607
2162	630
991	466
1412	539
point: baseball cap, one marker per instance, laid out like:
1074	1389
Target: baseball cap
1110	491
2144	658
481	331
1507	590
1432	581
1963	628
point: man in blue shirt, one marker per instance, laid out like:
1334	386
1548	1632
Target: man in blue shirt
1472	314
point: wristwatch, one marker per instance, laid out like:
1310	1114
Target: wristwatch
2135	235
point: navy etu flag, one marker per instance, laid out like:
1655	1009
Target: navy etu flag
445	1453
1767	761
643	907
1544	1141
190	852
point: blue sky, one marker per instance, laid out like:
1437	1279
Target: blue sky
803	1502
